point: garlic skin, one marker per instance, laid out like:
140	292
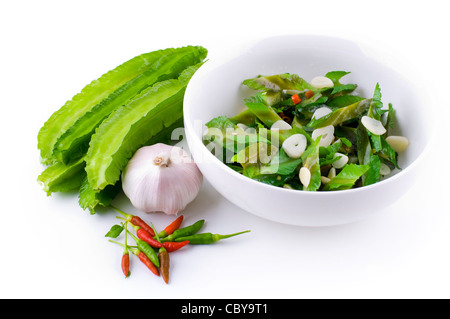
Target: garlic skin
161	178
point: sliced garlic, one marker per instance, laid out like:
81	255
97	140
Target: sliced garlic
374	126
340	163
305	176
280	125
384	169
398	143
242	126
292	92
321	112
327	134
324	179
321	82
295	145
332	173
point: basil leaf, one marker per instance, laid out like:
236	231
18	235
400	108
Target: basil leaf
391	116
327	153
335	76
343	89
115	231
221	122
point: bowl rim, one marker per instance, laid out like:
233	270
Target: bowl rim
190	131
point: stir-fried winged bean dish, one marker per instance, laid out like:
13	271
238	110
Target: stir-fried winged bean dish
312	136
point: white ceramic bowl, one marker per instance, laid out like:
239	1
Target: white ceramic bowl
216	90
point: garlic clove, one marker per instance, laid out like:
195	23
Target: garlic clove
280	125
398	143
321	112
327	134
321	82
332	173
384	169
340	163
373	126
295	145
305	176
243	127
324	179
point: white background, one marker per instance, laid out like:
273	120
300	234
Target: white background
50	248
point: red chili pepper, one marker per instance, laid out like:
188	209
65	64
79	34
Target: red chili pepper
126	264
136	220
309	94
126	256
296	99
142	257
145	236
171	246
147	262
172	227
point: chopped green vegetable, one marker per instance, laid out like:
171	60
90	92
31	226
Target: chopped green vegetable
343	154
312	162
263	111
342	115
278	82
346	178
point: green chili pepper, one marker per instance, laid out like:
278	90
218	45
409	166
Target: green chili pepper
185	231
207	238
146	249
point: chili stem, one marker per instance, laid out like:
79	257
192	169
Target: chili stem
157	237
128	216
126	237
116	242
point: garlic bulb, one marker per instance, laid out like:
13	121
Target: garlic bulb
161	178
